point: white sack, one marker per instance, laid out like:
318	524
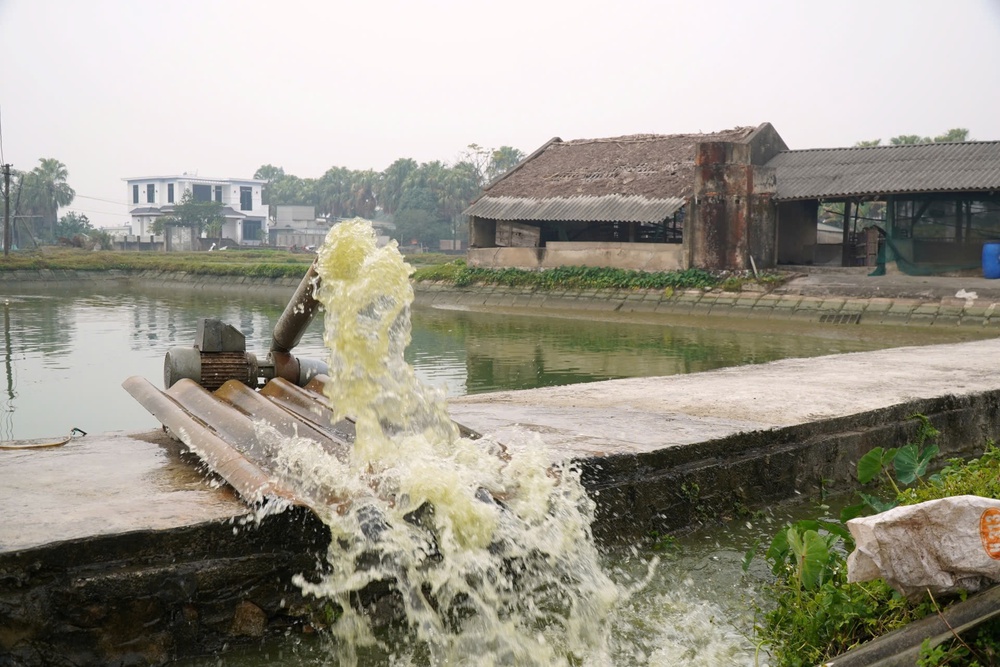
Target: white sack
942	545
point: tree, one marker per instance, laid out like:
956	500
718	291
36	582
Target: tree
391	183
418	218
203	216
868	144
43	190
271	174
73	223
954	134
503	160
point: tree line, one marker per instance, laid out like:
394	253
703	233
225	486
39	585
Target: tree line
425	201
954	134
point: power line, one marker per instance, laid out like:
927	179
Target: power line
110	201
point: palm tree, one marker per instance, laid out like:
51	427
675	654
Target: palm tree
362	193
43	191
391	185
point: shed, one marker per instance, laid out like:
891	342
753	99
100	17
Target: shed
645	201
937	204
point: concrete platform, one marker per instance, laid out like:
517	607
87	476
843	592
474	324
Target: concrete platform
643	415
115	548
104	485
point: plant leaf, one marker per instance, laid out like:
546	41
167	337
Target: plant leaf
928	453
877	504
812	554
777	552
906	463
870	465
853	511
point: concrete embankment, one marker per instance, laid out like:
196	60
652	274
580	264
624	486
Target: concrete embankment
662	452
824	298
832	297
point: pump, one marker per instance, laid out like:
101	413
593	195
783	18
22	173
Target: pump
219	353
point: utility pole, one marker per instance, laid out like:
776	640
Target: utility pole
6	210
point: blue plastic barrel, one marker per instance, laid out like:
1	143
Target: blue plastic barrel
991	259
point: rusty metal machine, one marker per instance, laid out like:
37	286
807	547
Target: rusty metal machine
219	352
210	400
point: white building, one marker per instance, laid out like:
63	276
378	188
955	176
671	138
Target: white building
150	197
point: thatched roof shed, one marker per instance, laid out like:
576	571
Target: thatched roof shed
641	178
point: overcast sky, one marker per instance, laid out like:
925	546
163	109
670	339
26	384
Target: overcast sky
119	88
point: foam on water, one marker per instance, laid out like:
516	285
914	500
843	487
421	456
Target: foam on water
489	546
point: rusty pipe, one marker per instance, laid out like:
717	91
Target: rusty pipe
298	313
289	329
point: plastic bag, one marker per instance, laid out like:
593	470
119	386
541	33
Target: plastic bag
943	546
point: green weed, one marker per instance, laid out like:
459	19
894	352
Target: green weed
815	614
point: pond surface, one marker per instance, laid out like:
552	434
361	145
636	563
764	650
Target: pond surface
65	352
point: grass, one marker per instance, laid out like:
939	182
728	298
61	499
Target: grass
264	263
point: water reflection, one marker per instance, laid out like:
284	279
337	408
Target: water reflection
67	350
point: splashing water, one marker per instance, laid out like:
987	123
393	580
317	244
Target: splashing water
488	547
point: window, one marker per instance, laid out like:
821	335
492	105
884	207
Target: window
202	192
170	193
218	193
135	194
150	193
246	199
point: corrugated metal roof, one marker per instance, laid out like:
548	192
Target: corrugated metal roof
882	170
609	208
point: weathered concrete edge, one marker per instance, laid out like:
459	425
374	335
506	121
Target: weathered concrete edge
151	596
831	309
674	488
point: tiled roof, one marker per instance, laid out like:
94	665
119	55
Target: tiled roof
881	170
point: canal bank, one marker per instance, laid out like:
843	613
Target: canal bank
827	297
823	295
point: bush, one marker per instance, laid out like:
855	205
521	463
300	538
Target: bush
571	277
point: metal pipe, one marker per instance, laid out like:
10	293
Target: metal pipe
297	314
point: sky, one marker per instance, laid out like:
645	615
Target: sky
128	88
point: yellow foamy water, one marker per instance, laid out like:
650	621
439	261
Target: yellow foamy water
489	549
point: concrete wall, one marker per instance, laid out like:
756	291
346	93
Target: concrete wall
637	256
797	231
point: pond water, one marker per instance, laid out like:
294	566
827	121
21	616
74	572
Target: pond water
65	353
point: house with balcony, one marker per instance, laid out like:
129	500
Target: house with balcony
150	197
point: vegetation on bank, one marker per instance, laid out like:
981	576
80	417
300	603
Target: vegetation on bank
264	263
814	614
436	267
584	277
